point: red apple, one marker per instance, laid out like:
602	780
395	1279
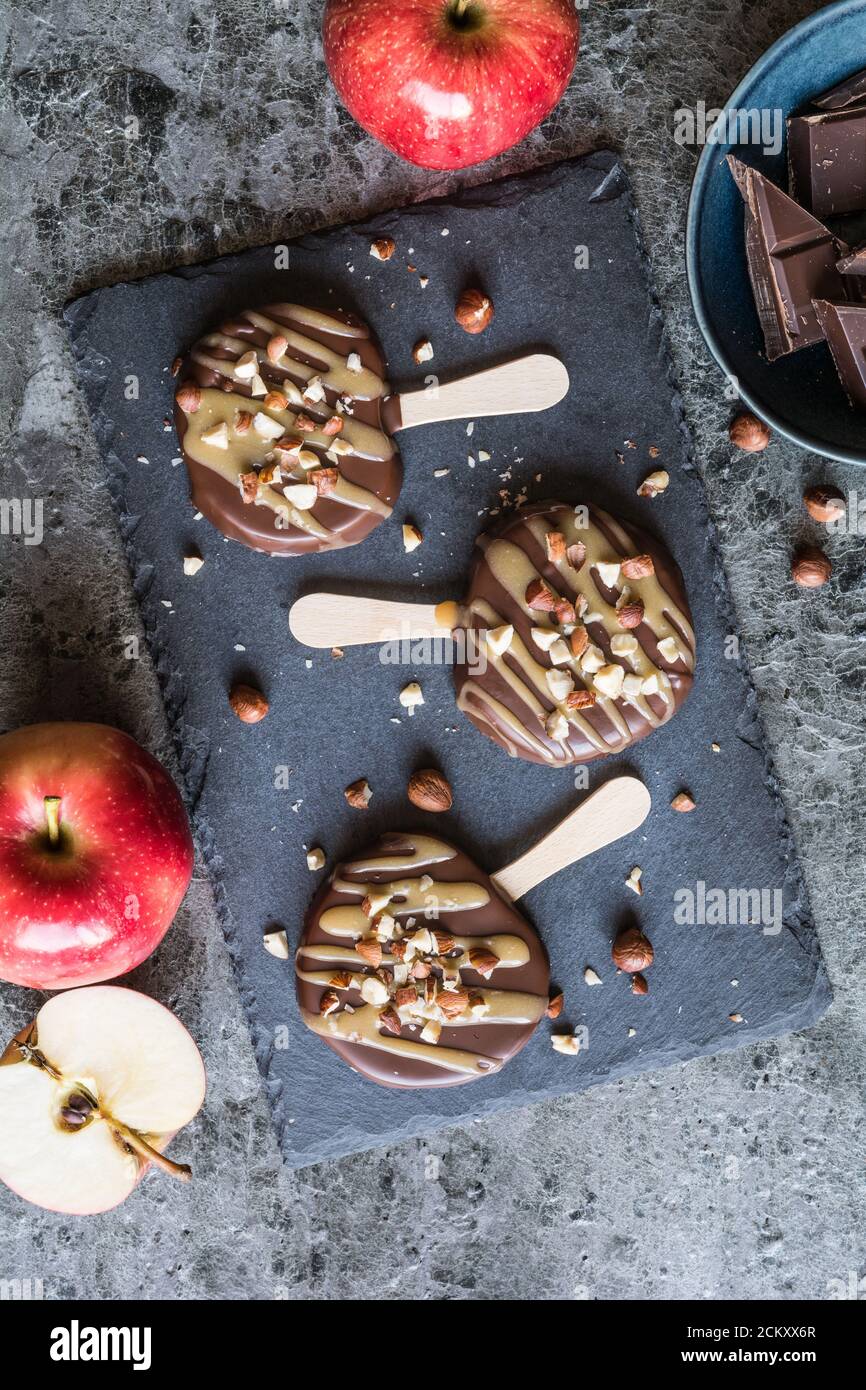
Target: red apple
95	854
446	83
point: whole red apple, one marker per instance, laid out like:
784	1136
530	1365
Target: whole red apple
95	854
446	83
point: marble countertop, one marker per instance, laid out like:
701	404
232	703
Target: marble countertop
729	1177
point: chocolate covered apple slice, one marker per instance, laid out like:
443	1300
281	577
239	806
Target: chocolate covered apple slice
574	641
581	635
286	424
414	965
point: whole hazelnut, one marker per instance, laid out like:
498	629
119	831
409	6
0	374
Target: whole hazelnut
632	951
811	567
749	433
248	703
429	790
824	503
474	311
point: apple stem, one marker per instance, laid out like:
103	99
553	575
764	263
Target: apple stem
182	1171
52	817
27	1053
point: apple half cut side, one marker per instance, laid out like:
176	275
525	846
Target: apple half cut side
90	1094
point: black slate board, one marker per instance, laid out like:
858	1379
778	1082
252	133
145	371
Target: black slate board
332	721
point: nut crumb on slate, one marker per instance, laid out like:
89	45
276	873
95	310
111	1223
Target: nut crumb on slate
654	483
383	248
411	696
276	944
358	794
634	881
554	1005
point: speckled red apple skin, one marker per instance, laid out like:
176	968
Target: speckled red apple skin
445	97
101	905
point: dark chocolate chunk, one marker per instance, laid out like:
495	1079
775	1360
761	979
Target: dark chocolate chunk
855	264
827	161
851	92
844	327
792	261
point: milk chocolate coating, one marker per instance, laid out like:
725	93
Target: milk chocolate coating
373	481
516	989
510	701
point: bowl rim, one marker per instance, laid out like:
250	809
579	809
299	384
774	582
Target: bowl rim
707	162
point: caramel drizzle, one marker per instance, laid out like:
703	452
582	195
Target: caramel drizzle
361	1026
514	571
248	452
511	950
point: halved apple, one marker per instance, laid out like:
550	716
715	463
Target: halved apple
90	1094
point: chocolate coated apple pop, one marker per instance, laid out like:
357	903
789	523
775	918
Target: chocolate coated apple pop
415	970
280	420
578	634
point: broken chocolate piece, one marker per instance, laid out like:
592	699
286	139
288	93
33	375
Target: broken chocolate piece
827	161
855	264
844	327
851	92
792	260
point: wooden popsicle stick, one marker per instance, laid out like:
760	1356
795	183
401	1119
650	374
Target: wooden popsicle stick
529	383
346	620
613	811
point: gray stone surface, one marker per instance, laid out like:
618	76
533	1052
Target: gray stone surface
733	1177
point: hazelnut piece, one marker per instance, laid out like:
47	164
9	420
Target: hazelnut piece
358	794
632	951
639	984
429	791
249	704
554	1005
683	802
423	350
474	311
824	503
749	433
188	397
383	248
811	568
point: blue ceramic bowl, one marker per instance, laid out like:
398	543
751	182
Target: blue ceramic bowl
799	395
